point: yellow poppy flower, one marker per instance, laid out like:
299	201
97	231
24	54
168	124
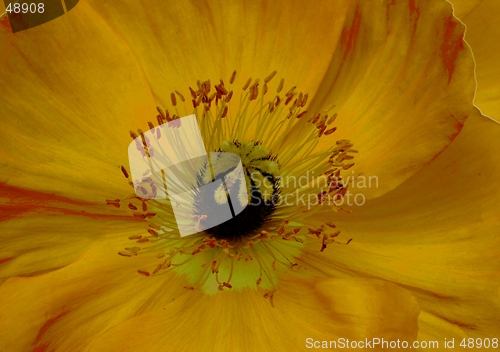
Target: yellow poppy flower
395	82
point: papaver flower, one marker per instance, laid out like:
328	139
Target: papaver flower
89	265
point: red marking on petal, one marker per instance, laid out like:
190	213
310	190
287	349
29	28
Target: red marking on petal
452	45
388	9
42	348
350	35
47	326
458	127
414	14
4	22
5	260
19	201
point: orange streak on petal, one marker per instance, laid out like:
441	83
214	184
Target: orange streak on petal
458	127
5	260
452	45
350	35
4	22
47	326
20	200
414	14
42	348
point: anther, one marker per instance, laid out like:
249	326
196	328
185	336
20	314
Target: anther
133	135
221	90
254	91
301	114
233	76
304	100
330	131
247	84
180	96
162	114
174	100
322	129
270	76
289	99
193	94
280	86
113	202
153	233
332	118
290	92
124	171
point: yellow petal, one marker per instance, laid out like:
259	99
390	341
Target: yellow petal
401	81
481	19
68	308
71	91
436	234
426	90
304	313
178	43
37	242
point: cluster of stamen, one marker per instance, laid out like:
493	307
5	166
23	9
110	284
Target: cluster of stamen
161	236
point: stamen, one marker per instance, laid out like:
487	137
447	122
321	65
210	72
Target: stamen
247	84
330	131
124	171
264	89
113	202
334	116
233	76
301	114
259	236
193	94
270	76
304	100
180	96
290	92
229	96
280	86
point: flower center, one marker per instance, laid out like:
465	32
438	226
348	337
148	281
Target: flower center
280	212
262	190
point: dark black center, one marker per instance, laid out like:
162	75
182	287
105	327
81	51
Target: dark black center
247	223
